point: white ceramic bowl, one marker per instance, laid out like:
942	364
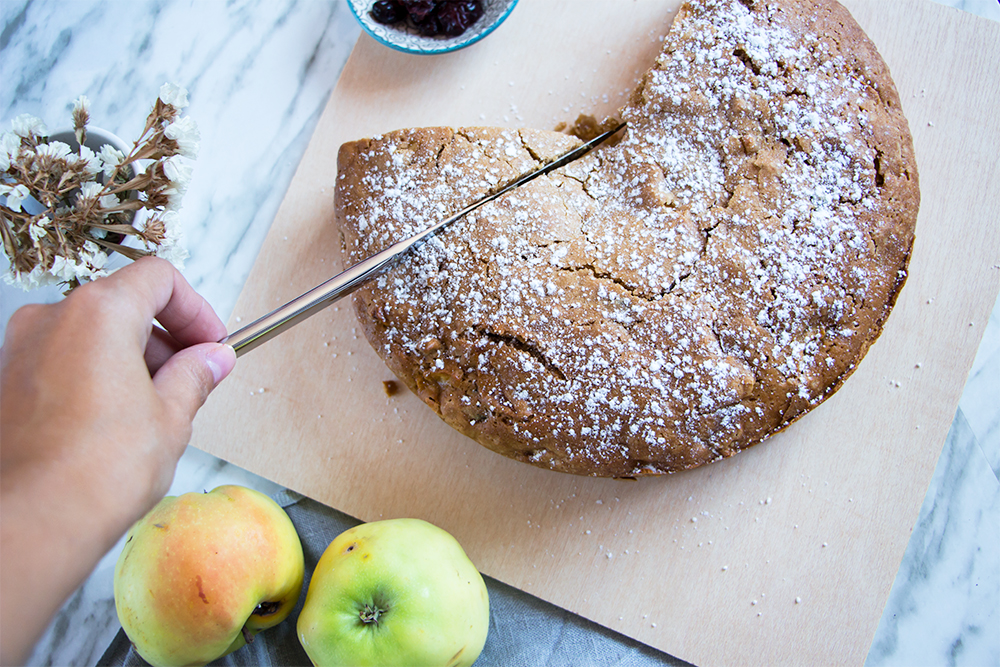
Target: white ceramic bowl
404	38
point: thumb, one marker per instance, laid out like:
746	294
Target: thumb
187	377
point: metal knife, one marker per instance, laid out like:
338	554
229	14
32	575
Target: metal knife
308	304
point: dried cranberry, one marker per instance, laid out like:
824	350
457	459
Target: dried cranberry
419	10
430	17
456	16
429	27
387	12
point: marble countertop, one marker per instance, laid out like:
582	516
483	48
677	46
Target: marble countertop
259	73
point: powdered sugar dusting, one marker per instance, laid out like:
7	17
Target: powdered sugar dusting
671	298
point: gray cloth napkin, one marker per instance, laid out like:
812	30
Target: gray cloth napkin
524	630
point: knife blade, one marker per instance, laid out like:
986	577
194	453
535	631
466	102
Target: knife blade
309	303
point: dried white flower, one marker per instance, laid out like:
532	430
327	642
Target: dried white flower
178	172
81	116
81	105
37	277
89	191
64	269
173	95
91	162
175	253
93	255
27	125
16	196
10	147
37	231
90	266
56	150
93	190
69	269
170	224
185	133
110	158
171	248
10	143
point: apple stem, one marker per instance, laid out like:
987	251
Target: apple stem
370	614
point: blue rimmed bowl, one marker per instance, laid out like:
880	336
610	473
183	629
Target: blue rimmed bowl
403	37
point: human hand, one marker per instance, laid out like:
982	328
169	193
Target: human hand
96	406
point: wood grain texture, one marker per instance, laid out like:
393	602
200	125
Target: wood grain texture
706	565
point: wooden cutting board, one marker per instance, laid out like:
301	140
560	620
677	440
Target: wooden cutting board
783	554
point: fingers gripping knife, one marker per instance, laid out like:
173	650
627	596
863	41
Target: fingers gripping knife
344	283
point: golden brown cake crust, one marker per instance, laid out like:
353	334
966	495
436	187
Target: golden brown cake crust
674	297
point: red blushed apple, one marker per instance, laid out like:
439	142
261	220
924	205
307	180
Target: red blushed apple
203	572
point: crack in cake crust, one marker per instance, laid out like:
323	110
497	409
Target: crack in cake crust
675	296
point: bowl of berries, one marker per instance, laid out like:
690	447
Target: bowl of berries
430	26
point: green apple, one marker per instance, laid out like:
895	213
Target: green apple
395	592
203	572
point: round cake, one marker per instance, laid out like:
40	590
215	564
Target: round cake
679	294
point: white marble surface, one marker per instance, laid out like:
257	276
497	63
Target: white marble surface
259	73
